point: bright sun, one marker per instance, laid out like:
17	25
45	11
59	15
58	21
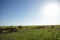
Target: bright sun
50	10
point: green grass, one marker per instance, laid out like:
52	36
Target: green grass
27	33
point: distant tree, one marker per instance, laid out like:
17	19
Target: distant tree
20	27
11	26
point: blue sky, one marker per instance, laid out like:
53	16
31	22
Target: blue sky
25	12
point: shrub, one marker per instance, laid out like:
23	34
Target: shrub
20	27
52	26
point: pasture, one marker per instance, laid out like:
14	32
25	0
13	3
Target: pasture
46	32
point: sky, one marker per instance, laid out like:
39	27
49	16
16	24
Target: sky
29	12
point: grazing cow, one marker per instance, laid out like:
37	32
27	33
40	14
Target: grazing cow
1	30
6	29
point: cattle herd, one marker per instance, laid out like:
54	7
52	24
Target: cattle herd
8	29
11	29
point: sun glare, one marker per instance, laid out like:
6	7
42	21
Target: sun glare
50	10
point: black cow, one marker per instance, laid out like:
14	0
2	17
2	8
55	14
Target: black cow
1	30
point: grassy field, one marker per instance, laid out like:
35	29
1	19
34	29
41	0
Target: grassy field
33	33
